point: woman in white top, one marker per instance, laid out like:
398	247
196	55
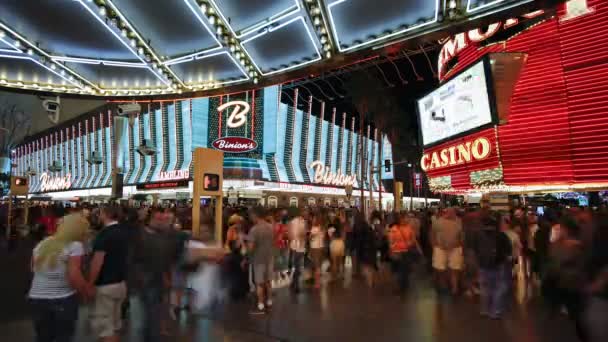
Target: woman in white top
317	244
56	264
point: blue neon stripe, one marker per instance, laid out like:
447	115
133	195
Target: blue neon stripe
108	162
158	127
200	122
343	163
73	156
172	133
79	171
334	153
147	159
271	99
312	130
280	138
297	144
101	152
353	165
136	158
324	142
187	135
121	137
90	172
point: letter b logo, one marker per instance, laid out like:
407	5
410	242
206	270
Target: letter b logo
238	117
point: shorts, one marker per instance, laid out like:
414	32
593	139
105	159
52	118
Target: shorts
316	256
262	273
105	313
444	259
336	248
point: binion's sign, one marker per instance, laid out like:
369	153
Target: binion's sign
465	152
52	183
323	175
234	144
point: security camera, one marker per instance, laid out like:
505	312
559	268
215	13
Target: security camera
52	106
129	108
146	148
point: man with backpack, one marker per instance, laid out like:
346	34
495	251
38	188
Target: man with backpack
492	249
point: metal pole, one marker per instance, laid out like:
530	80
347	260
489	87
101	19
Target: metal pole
380	173
362	163
10	218
371	181
411	188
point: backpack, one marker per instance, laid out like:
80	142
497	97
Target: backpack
493	248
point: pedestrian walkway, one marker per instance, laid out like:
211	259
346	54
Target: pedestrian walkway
349	311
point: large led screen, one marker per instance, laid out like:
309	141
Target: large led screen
458	106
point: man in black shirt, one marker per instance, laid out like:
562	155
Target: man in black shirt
108	274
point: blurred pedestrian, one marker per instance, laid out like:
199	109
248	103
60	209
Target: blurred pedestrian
317	248
297	246
336	246
156	256
108	273
448	258
565	276
402	242
260	249
58	280
492	249
596	315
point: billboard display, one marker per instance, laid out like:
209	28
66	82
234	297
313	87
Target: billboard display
459	106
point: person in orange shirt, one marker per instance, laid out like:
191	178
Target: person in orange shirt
402	244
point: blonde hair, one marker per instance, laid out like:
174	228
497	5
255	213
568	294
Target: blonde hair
72	227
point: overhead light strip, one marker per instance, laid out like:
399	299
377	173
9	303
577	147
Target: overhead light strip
369	42
120	39
99	61
276	17
196	13
300	18
141	40
480	7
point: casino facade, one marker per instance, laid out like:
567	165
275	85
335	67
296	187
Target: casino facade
273	151
523	105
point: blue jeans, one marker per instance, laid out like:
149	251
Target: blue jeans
494	284
55	319
297	261
154	309
401	266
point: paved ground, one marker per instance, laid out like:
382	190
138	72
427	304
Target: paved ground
343	311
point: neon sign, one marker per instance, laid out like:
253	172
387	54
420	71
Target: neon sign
174	174
466	152
238	117
323	175
50	183
235	144
451	48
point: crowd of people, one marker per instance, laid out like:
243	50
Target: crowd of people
475	252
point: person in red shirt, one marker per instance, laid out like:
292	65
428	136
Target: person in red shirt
281	241
48	221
